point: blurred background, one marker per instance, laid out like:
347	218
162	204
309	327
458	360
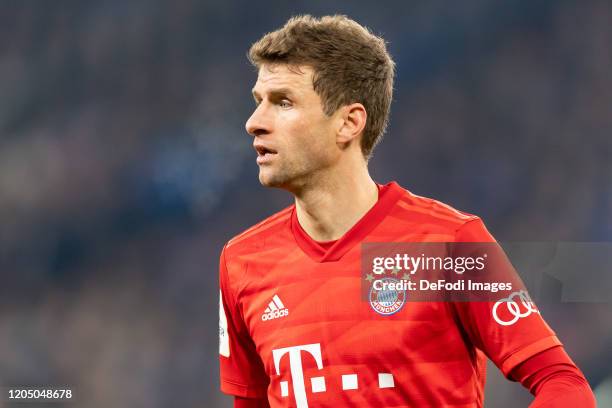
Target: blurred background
125	166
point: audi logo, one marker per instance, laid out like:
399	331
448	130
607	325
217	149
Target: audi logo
517	305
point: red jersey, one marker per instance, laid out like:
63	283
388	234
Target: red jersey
295	329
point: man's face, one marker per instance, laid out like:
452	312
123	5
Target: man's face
294	139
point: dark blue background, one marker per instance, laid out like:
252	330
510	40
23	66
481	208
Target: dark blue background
124	167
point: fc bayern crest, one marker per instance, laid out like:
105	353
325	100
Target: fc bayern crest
385	301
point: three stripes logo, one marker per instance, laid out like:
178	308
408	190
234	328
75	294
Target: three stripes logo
275	309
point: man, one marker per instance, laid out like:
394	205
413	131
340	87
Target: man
294	327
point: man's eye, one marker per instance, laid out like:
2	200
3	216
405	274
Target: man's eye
285	103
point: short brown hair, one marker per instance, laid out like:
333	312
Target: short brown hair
350	65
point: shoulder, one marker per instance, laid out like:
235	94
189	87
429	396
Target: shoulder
256	236
434	210
261	243
426	214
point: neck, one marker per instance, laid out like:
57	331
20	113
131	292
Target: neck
328	208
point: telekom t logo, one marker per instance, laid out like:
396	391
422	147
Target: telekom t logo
297	373
349	381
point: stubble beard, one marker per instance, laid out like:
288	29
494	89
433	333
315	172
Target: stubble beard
287	177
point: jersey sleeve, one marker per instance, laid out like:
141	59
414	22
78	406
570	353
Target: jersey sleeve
242	372
508	330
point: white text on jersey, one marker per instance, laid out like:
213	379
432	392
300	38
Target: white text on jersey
275	309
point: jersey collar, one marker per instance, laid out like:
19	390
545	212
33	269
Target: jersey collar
388	195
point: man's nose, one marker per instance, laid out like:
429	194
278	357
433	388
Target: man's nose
259	122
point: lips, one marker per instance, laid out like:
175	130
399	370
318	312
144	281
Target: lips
263	150
264	153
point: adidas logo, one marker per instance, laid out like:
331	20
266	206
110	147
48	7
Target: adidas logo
275	310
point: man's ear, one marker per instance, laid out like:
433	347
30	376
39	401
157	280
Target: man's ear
352	121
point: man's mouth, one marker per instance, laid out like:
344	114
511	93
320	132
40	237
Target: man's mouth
264	153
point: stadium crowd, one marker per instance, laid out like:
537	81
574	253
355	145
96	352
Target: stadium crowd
125	166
